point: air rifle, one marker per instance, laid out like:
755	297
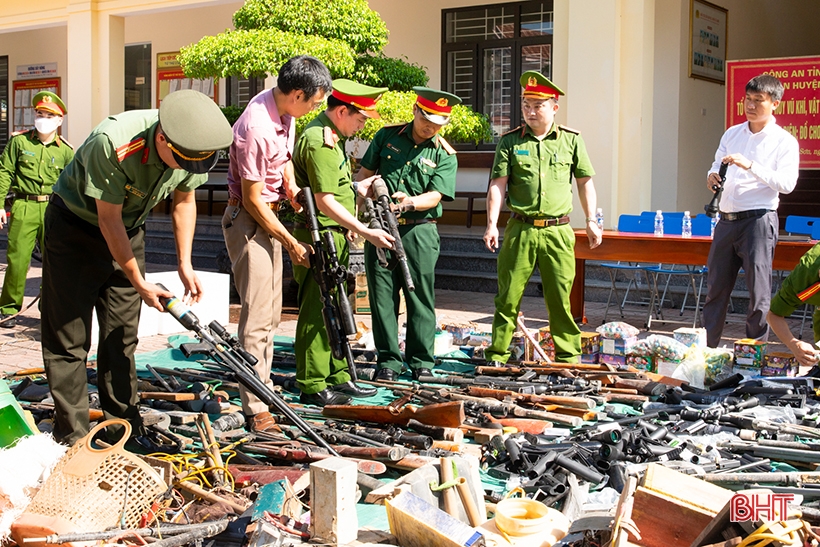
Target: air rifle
225	349
331	276
380	215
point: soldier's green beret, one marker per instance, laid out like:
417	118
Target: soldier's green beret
435	105
363	97
46	100
195	128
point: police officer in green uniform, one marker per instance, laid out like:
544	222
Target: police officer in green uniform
29	166
320	161
95	247
419	170
802	286
534	164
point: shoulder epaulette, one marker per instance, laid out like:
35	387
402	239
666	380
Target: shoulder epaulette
65	142
808	293
22	132
394	125
446	145
513	130
569	129
330	137
129	149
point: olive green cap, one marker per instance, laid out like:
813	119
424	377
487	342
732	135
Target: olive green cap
195	128
46	100
538	86
435	105
363	97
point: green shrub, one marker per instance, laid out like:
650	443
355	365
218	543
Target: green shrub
232	113
350	21
259	52
394	73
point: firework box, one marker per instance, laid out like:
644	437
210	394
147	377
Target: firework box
615	360
691	337
617	346
780	363
749	353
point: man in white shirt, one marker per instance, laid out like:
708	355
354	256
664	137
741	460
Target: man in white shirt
763	161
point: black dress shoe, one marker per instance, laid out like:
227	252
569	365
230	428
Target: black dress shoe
350	388
324	397
386	375
423	375
7	321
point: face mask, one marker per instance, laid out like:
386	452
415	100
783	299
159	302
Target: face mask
47	126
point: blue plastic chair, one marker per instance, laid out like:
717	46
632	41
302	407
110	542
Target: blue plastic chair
701	225
796	224
635	224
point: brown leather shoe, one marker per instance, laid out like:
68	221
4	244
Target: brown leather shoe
261	422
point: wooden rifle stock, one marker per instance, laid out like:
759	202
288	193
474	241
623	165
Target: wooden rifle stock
443	414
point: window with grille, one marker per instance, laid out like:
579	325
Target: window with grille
486	48
242	90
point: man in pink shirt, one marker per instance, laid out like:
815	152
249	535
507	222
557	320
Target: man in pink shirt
260	177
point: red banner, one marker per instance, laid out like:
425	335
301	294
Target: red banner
799	111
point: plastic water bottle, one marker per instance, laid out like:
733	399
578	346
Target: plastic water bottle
713	222
659	224
599	218
686	228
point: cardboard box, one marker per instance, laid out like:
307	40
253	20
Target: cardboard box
360	300
780	363
691	337
749	353
666	367
617	346
590	346
615	360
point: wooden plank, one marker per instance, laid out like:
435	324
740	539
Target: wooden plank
665	521
686	488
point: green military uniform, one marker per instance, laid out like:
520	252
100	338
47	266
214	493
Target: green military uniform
801	287
119	164
539	187
319	161
412	169
29	168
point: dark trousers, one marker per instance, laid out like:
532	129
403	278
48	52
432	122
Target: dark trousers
79	276
748	243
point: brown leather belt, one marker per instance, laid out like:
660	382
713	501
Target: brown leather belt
542	222
273	205
411	221
32	197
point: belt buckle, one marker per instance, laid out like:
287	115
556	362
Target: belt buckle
401	221
540	222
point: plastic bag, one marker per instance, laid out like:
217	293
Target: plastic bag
617	330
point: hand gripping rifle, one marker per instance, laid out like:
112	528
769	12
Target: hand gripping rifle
226	350
381	216
331	277
712	207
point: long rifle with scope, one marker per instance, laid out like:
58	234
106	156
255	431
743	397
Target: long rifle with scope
226	350
331	276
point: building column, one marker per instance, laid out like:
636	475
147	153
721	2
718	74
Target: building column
604	61
96	70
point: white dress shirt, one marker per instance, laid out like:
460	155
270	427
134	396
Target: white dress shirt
775	157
